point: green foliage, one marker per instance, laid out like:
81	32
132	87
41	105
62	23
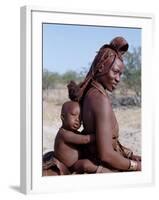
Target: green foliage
51	80
71	75
132	73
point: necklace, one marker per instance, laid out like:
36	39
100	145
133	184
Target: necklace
98	87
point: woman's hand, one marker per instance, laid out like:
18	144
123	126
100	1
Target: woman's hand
136	158
138	166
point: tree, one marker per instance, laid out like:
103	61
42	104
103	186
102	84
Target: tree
132	72
71	75
50	79
45	83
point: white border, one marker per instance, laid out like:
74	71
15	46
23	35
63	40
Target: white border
31	101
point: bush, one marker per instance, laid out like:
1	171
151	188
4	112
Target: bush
132	73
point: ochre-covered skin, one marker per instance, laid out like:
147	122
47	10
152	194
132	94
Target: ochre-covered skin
98	144
97	113
69	142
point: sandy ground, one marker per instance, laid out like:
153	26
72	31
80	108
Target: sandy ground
129	120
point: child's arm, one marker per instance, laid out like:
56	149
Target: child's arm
75	138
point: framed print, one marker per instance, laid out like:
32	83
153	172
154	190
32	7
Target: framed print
58	46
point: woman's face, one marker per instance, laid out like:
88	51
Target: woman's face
112	78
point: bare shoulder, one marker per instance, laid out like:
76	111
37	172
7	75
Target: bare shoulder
98	100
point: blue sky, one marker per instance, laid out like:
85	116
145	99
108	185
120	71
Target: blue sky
73	47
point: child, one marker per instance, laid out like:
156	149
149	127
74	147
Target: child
69	141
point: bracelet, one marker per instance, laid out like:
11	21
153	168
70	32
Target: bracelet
133	165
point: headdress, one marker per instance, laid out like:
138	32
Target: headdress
104	59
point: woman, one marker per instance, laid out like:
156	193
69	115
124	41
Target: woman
97	113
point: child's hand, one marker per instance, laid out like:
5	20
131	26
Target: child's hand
92	138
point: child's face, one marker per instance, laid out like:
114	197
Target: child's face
71	118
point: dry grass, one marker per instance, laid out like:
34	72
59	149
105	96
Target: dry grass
129	120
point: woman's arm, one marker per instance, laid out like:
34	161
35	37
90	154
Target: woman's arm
104	118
